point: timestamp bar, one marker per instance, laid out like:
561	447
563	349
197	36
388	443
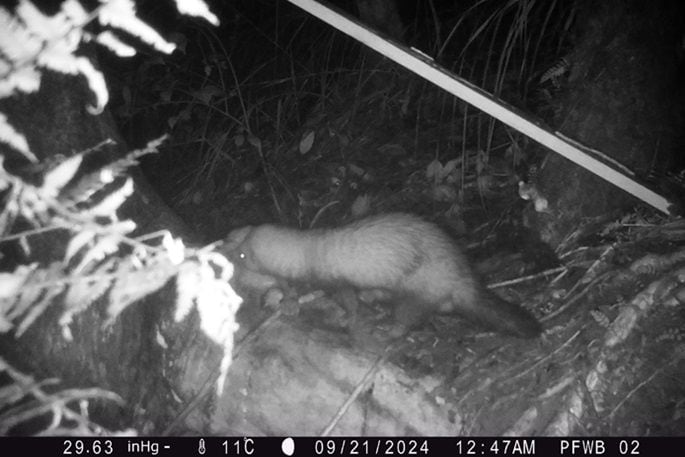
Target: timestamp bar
339	446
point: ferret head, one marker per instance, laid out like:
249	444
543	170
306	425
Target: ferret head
268	249
253	247
237	247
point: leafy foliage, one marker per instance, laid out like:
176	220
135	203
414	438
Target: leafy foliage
102	262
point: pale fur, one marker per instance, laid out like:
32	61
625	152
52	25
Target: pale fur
399	254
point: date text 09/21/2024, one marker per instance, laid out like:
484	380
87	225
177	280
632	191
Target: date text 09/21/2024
347	446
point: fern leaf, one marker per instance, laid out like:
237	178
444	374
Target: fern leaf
56	178
93	182
96	83
84	292
109	205
102	248
35	297
11	283
114	44
33	289
133	285
5	325
38	308
7	133
122	14
77	242
196	8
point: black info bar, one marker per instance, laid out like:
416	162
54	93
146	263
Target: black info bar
339	446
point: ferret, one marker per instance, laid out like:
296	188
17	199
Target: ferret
395	256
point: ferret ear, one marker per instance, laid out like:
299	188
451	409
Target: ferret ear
237	236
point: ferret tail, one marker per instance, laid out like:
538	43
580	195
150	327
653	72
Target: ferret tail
503	316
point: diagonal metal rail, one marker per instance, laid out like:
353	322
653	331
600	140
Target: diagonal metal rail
424	66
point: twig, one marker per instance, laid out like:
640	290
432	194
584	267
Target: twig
640	386
573	300
37	231
358	390
320	212
510	282
544	359
573	251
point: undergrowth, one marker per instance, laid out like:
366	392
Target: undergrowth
275	107
299	123
74	208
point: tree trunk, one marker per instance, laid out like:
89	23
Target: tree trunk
124	358
382	15
624	98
